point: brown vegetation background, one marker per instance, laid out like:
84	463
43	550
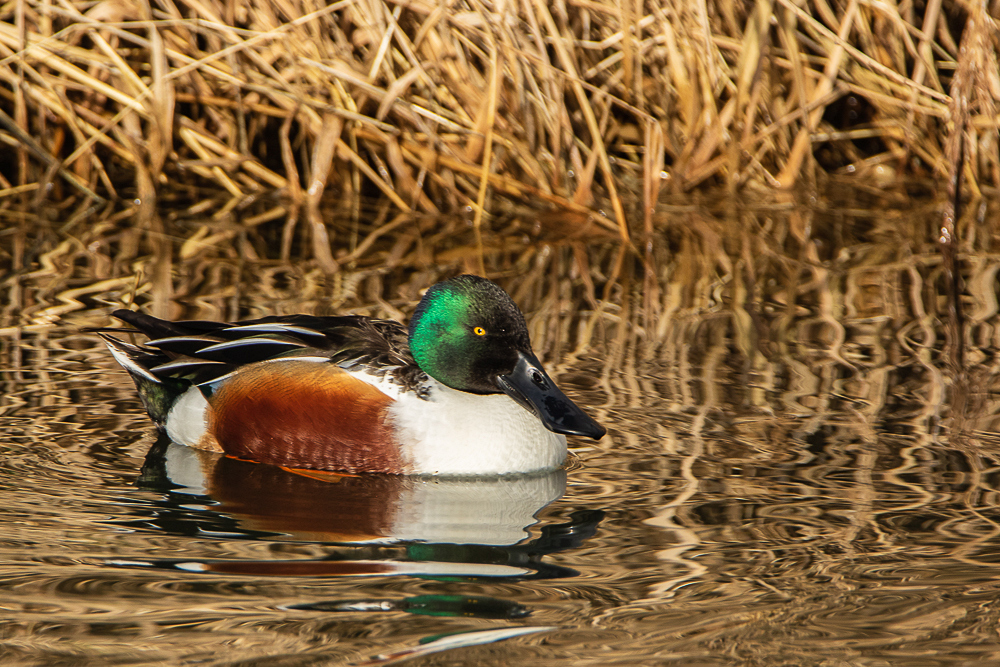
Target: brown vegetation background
580	104
162	129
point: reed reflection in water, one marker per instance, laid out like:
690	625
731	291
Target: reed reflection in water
798	470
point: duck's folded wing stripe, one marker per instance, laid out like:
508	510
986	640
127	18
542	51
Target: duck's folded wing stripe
183	344
310	335
184	366
249	350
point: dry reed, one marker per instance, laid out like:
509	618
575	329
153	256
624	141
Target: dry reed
256	116
585	106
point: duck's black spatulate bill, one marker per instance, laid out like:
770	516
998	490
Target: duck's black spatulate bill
534	390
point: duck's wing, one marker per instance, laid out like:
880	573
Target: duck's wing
202	352
379	347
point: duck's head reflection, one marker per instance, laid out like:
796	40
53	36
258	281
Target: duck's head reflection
325	507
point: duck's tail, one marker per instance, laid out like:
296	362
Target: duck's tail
158	394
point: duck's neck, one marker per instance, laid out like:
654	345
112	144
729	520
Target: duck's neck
455	433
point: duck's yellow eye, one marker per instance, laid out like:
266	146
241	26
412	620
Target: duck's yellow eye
479	331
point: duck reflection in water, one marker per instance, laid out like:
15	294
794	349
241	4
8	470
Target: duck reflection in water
383	524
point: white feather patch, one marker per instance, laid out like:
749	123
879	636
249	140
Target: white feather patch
456	433
187	420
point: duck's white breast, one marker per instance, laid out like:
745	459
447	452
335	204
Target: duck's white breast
456	433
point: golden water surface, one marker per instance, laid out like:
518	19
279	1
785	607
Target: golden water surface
801	465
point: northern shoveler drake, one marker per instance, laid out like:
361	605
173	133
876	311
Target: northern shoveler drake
459	392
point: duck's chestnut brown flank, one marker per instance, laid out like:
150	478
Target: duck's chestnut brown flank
304	414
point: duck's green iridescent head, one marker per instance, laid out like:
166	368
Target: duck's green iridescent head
466	331
468	334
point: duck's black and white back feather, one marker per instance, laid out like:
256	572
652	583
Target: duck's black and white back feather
201	352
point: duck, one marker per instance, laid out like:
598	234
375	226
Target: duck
458	392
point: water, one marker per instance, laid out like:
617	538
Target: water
796	473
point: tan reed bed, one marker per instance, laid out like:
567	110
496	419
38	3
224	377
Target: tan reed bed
435	105
583	110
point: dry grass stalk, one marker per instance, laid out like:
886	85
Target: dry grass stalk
441	107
